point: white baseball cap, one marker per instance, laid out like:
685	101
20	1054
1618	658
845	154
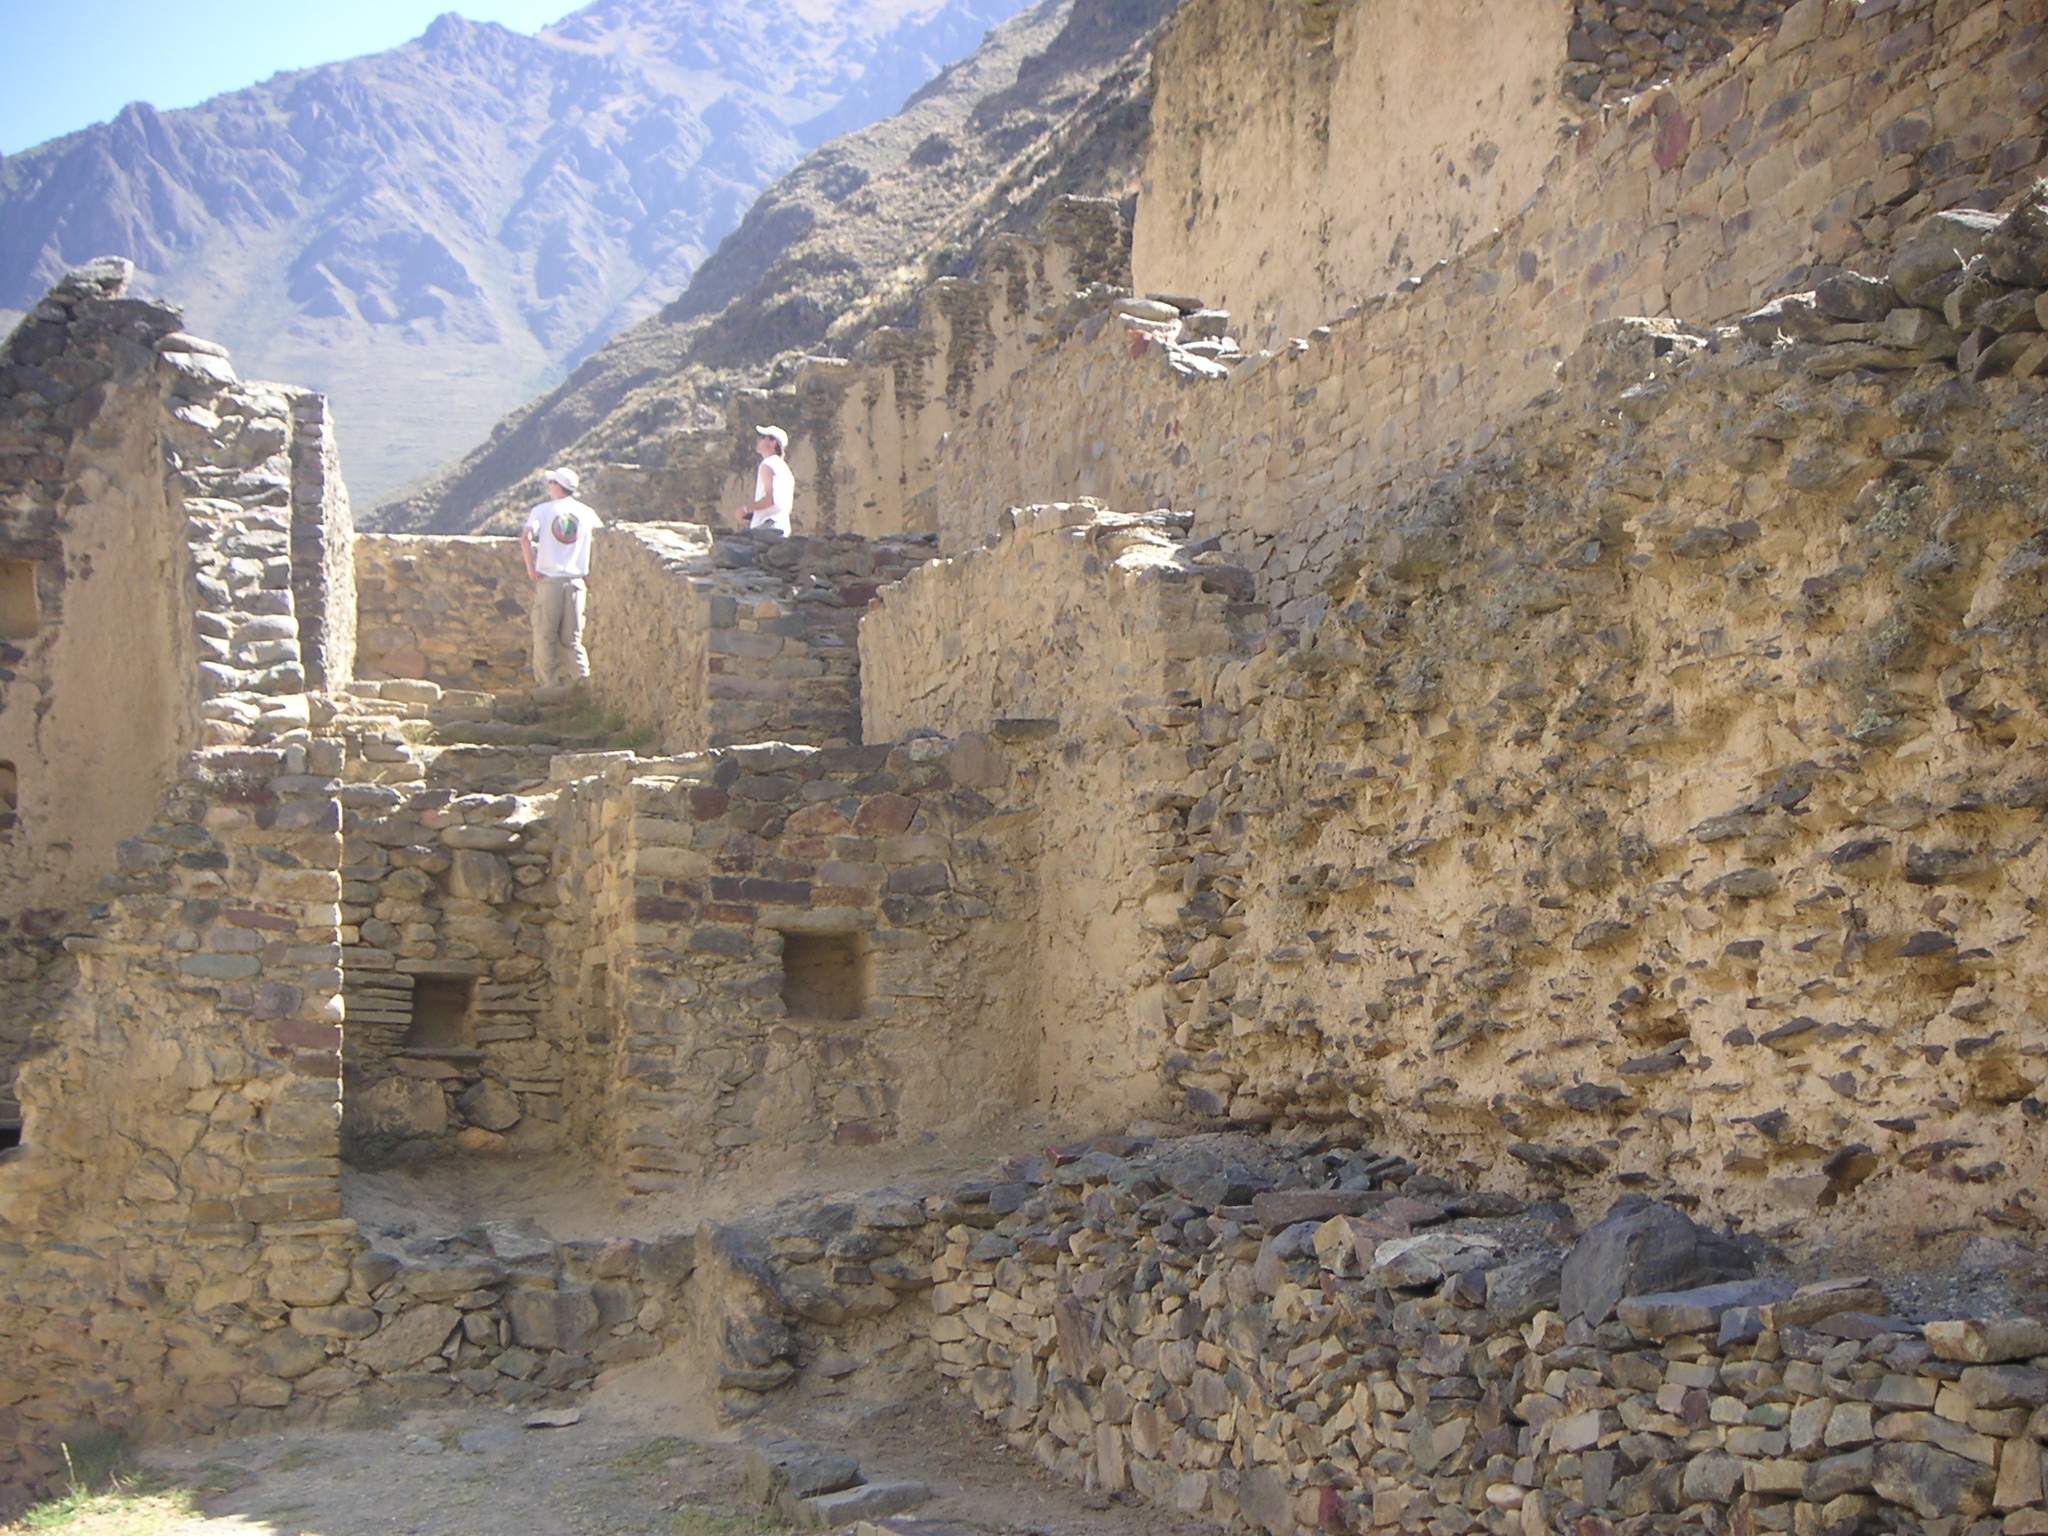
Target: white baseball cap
781	437
567	479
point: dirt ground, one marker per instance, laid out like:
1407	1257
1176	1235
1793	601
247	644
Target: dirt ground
645	1460
574	1199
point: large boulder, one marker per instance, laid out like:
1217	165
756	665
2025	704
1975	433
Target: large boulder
400	1108
1931	1482
1639	1248
2017	250
1926	267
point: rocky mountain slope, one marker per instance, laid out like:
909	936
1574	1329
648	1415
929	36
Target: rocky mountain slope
1054	102
433	233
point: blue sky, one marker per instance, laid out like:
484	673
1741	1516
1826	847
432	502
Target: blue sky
71	63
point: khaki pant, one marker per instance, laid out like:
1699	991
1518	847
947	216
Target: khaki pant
558	630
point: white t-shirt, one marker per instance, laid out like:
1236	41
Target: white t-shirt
560	531
774	480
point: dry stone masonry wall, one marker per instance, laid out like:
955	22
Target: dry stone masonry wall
1592	762
1890	1075
776	950
706	640
1800	152
1325	1341
451	611
1074	610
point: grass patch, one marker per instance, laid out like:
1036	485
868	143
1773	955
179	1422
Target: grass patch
108	1495
298	1456
371	1416
122	1512
649	1456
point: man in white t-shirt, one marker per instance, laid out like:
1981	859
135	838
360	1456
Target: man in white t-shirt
774	486
556	543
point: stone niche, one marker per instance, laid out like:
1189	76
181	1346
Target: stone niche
825	976
445	900
21	610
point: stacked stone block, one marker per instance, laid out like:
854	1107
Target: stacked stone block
707	640
1804	151
323	548
439	886
451	611
1329	1355
680	888
1616	47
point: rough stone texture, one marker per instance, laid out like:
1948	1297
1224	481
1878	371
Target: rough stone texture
323	548
1639	1249
1073	611
678	884
705	639
83	400
1643	795
452	611
864	430
1792	156
1306	155
1138	1337
1764	657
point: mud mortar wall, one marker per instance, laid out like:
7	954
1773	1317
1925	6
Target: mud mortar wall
94	563
911	386
451	611
649	629
1703	866
1805	149
1072	613
1081	638
681	889
448	893
703	640
1306	153
176	1194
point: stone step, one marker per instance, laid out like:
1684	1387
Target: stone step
868	1502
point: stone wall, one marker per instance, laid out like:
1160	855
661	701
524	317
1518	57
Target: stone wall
1307	153
1073	612
1368	140
649	629
452	611
175	1196
705	640
1652	803
173	1256
1331	1355
880	421
863	432
1081	638
1797	153
98	686
684	888
323	548
445	900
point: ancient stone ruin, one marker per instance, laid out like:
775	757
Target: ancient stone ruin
1468	877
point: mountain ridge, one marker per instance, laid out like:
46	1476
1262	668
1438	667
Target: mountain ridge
1054	102
433	233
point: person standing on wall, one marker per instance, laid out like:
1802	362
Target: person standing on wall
774	486
556	543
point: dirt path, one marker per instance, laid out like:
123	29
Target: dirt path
645	1460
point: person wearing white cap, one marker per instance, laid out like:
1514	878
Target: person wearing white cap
774	485
556	543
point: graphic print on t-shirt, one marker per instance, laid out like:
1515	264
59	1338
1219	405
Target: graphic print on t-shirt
565	527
